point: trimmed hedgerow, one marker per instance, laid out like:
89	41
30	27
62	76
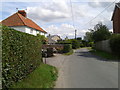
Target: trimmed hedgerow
115	44
67	48
21	54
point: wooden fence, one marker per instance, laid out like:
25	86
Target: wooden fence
103	45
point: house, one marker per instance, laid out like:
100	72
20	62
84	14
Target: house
116	18
20	22
52	39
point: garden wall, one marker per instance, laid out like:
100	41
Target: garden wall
21	54
103	45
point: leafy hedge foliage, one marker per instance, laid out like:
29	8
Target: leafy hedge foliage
115	44
75	43
21	54
67	48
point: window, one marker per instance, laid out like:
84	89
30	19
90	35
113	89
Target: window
31	30
40	33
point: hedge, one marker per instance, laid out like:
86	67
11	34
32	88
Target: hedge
115	44
67	48
21	54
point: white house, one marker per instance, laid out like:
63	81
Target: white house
52	39
20	22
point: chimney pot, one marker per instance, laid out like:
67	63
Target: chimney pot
22	12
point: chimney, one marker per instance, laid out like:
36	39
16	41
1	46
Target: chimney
22	12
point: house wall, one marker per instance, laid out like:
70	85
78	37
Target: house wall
56	38
19	28
28	30
116	21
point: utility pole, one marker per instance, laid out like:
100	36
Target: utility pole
75	33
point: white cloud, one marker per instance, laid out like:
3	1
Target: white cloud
64	30
56	18
111	30
108	4
49	11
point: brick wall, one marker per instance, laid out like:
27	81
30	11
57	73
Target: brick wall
116	21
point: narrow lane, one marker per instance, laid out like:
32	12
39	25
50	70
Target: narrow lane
89	71
84	70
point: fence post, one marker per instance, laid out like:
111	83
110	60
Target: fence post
45	57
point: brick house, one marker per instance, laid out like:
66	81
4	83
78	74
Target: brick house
20	22
116	18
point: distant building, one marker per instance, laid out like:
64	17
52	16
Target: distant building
52	39
20	22
116	18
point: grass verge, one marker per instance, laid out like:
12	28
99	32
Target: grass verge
42	77
105	55
69	53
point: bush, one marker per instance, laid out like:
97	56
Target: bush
90	44
21	54
115	44
67	48
75	44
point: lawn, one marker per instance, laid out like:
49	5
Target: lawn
42	77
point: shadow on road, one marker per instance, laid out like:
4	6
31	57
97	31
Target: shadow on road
88	54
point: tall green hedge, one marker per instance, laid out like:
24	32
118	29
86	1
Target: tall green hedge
21	54
115	44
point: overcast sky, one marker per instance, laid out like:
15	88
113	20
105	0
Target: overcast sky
55	16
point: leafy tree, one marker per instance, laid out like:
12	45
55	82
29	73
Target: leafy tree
88	36
100	32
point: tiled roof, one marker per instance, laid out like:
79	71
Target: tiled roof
19	20
118	5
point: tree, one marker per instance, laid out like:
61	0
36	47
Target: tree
88	36
101	32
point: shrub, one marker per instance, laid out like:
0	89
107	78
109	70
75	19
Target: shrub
115	44
21	54
67	48
75	44
90	44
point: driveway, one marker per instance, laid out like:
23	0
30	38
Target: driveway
84	70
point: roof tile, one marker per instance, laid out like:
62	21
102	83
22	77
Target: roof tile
19	20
